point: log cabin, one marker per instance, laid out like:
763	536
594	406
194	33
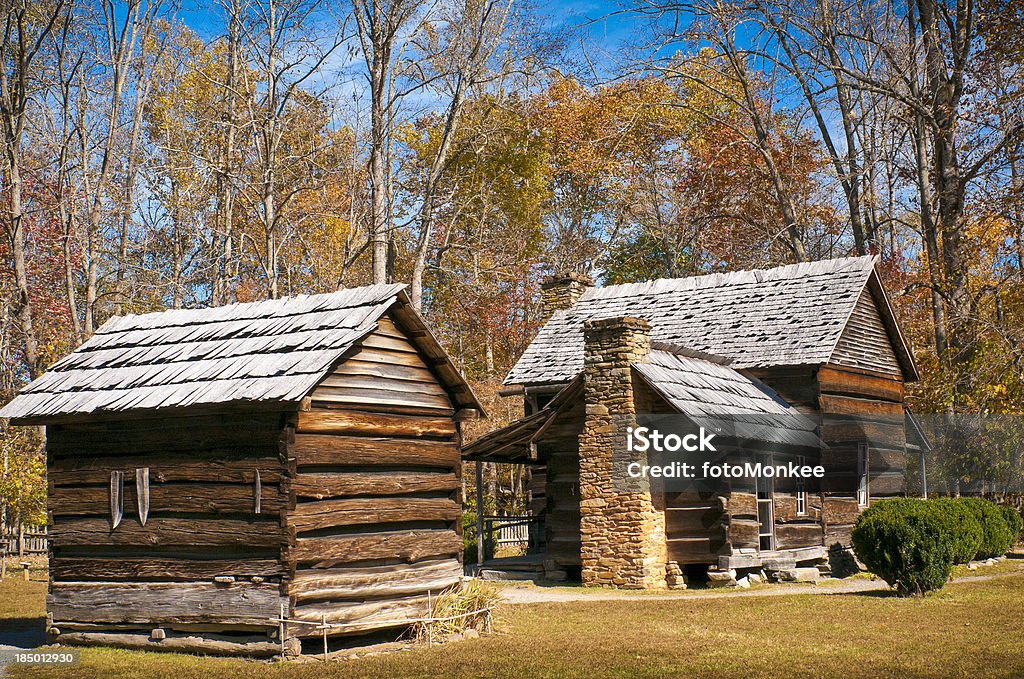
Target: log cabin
814	350
224	480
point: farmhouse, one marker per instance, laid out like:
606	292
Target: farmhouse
809	358
217	475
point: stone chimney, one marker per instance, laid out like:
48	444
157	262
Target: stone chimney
562	291
622	531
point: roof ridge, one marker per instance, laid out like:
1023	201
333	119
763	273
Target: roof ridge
864	263
687	352
131	321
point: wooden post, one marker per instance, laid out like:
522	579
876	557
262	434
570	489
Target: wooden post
323	619
479	515
21	541
281	629
924	476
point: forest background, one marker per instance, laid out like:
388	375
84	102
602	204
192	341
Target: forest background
158	155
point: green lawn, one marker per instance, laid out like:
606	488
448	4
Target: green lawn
968	629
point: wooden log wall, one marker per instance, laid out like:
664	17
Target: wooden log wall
376	524
859	408
205	558
696	524
559	448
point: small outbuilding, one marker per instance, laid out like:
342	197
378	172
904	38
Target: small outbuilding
225	480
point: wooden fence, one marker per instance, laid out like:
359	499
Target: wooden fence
23	540
510	531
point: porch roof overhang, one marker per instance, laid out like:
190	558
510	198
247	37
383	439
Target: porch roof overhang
515	443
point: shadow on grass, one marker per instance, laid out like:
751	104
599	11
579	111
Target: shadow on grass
869	593
23	632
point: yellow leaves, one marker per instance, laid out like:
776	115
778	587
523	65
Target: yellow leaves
606	129
988	236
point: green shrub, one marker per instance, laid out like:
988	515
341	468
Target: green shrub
997	537
907	543
965	529
1014	522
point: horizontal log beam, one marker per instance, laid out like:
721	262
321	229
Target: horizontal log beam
154	568
309	516
161	436
833	380
321	449
165	469
160	532
846	405
206	644
374	582
373	424
165	603
325	485
360	617
798	535
409	546
186	498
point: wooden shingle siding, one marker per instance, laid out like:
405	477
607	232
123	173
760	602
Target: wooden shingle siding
377	514
865	344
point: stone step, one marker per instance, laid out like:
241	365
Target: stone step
494	575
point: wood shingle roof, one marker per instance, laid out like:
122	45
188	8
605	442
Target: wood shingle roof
716	396
269	351
789	315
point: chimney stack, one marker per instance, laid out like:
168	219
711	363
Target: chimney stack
622	526
561	291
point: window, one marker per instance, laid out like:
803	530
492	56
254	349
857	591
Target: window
801	490
863	494
765	487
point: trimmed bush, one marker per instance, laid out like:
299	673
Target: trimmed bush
1014	522
965	529
997	537
907	543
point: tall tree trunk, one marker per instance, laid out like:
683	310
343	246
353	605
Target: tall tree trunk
379	213
225	191
17	53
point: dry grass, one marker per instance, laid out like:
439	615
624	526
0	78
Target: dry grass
460	608
20	600
967	629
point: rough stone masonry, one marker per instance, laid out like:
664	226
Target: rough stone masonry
622	531
561	292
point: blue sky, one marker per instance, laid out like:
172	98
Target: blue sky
603	32
596	31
